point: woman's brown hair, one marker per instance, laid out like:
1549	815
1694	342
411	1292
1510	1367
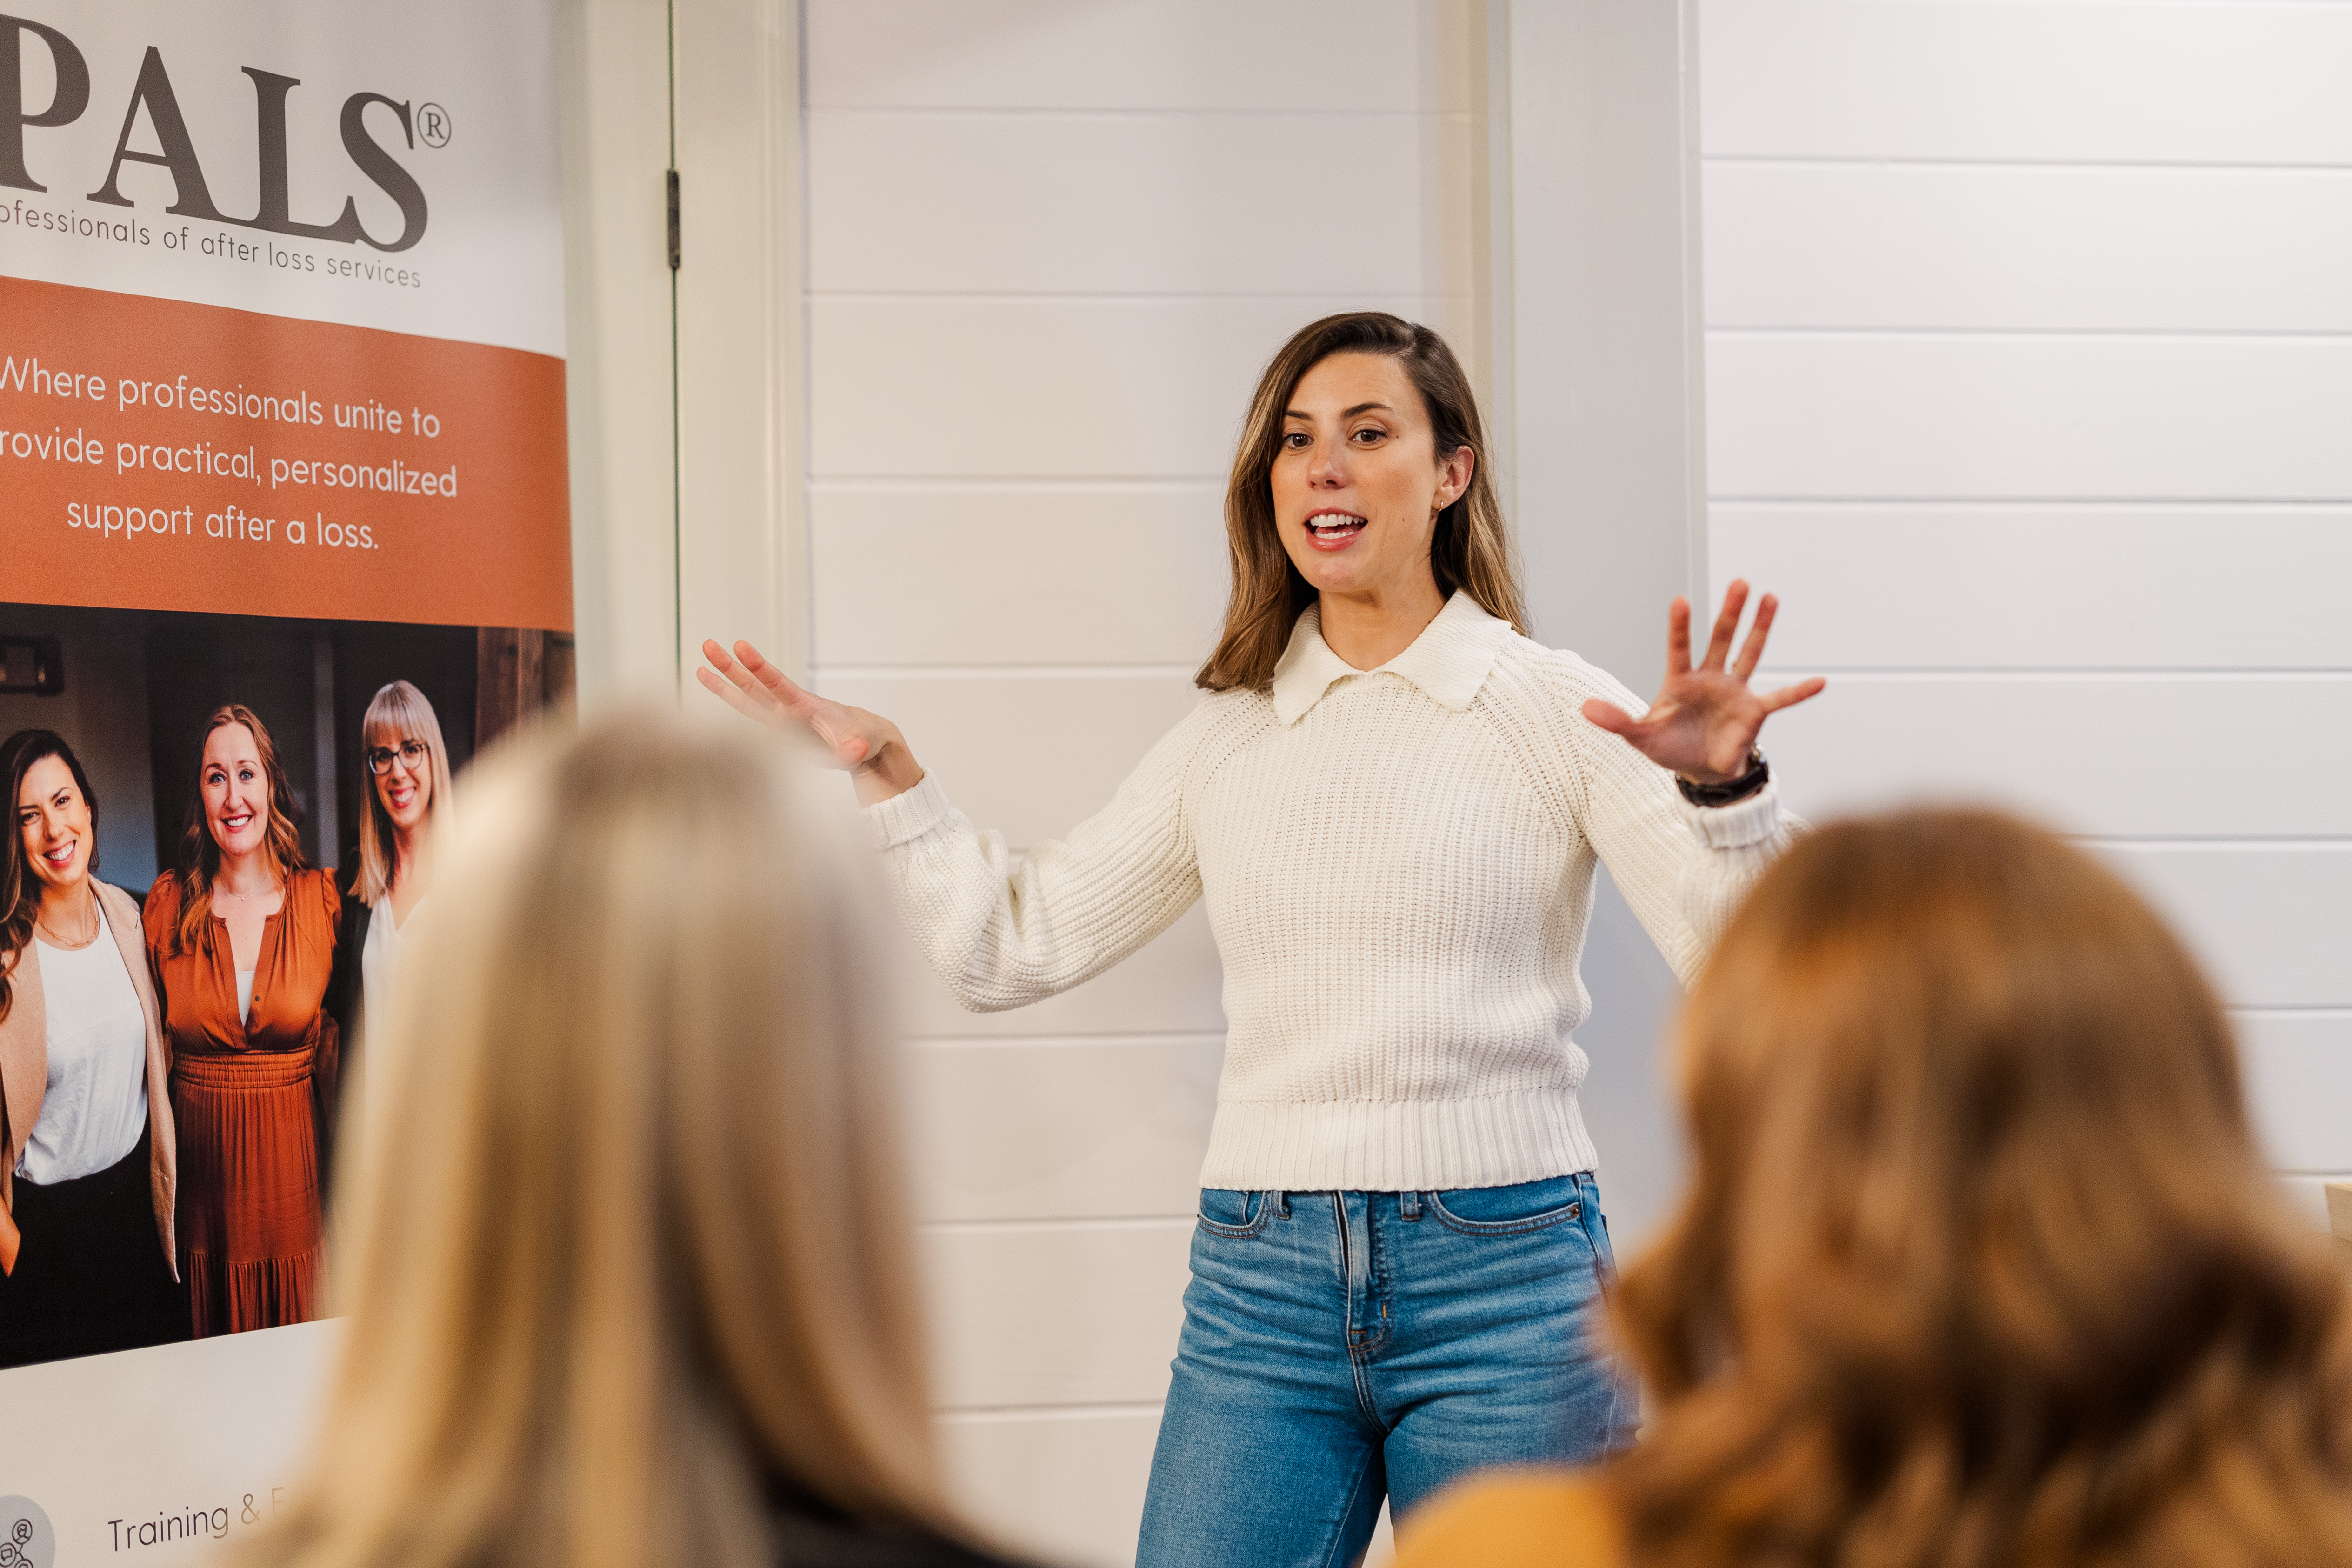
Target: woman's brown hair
200	855
1471	549
1980	1264
623	1243
20	887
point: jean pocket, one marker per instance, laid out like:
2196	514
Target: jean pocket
1228	1212
1510	1210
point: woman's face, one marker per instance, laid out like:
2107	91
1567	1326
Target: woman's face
1357	480
53	820
405	786
237	790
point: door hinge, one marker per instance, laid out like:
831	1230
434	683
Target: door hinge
673	220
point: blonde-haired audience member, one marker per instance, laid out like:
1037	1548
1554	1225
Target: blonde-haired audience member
1980	1264
622	1242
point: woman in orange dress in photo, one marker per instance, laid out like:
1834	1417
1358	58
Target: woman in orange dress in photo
242	938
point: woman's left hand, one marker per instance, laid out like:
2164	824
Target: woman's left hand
1706	720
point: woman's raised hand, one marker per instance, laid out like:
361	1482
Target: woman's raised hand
866	744
1706	720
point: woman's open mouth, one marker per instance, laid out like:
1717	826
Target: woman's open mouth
1333	530
237	822
62	857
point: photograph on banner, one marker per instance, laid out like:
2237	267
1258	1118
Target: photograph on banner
284	542
156	762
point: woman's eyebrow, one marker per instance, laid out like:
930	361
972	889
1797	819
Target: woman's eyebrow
1344	413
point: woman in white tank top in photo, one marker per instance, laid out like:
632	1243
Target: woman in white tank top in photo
87	1158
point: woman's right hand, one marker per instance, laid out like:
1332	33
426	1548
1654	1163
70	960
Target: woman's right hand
869	745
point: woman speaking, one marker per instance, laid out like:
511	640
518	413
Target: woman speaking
1392	801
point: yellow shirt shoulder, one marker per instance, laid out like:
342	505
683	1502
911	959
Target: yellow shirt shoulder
1523	1518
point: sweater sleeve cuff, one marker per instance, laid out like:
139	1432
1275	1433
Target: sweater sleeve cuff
1740	825
908	814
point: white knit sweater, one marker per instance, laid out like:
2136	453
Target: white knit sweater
1398	865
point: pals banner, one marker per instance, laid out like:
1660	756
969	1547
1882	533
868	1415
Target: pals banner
284	540
281	310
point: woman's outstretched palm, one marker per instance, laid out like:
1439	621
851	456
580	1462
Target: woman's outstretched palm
866	744
1705	721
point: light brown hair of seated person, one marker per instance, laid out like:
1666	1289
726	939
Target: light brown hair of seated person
1980	1264
622	1245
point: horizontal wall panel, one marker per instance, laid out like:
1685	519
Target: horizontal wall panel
2267	920
1064	1487
1895	245
1133	204
2223	81
1151	388
1965	417
1175	983
1394	56
1066	1314
1018	574
2028	363
2119	757
1061	1128
1030	756
1925	587
2298	1069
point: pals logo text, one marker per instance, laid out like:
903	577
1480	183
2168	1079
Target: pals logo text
153	101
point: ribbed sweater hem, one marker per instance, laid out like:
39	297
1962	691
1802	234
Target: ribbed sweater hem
908	814
1402	1145
1742	825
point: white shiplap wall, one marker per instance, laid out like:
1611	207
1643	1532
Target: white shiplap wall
1050	245
2030	380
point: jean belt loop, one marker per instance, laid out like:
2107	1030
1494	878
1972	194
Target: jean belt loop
1408	1204
1281	1202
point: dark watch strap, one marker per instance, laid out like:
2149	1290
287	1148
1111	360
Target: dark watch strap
1758	775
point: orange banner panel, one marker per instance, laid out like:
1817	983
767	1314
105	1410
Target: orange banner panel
162	456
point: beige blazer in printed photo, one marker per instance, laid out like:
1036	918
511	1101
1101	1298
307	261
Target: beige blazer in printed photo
25	1064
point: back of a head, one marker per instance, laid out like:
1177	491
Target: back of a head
624	1243
1980	1264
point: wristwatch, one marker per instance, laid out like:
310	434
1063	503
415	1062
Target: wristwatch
1758	775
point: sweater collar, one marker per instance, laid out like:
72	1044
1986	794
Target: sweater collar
1448	661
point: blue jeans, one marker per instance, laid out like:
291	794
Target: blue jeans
1343	1347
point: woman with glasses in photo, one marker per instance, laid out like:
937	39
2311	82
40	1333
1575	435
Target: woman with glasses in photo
408	798
242	941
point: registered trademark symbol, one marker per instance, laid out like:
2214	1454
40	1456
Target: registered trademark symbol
432	124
